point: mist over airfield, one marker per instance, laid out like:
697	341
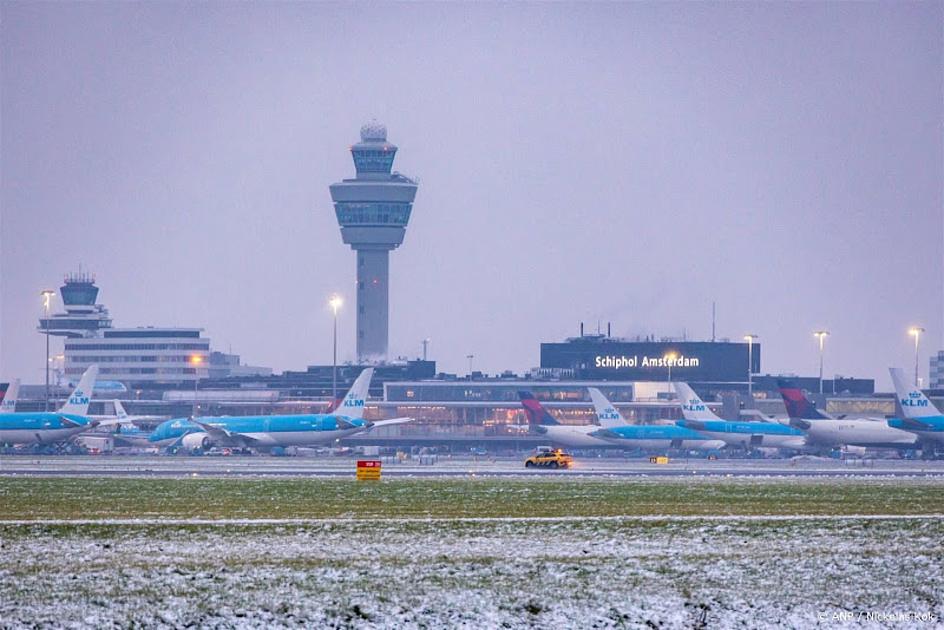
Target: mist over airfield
625	163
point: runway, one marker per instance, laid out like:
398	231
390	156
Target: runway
266	466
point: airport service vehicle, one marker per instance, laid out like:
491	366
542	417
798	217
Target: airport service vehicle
265	432
52	427
549	458
919	415
850	433
747	434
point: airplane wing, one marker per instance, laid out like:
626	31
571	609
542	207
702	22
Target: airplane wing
391	421
221	435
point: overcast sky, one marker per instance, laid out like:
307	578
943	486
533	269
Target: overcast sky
597	162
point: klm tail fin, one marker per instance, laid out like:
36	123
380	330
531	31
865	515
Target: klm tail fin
799	407
78	402
914	404
120	412
352	406
8	404
537	415
607	414
693	408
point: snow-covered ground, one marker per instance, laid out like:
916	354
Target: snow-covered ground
585	572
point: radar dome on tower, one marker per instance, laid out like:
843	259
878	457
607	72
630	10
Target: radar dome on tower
374	132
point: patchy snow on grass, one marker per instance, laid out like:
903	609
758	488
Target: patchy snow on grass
583	572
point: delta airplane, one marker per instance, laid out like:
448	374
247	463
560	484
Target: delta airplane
615	430
736	433
823	430
920	416
52	427
263	432
8	404
572	436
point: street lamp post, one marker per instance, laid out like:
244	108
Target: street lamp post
916	331
46	295
821	335
195	360
750	364
669	360
335	303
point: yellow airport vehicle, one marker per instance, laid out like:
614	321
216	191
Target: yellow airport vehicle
549	458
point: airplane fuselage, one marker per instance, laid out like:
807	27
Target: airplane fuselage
263	431
866	433
40	428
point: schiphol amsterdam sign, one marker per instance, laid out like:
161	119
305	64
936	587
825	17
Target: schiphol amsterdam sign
622	361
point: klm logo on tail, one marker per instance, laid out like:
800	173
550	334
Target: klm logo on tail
352	403
915	399
694	405
609	414
78	398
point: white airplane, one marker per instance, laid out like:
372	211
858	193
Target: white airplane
854	434
572	436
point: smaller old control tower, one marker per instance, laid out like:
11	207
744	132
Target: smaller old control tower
373	210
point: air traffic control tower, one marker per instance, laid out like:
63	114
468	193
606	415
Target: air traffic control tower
373	210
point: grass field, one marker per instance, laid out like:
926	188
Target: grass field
65	498
445	553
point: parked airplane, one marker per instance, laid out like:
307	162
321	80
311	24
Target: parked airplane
920	416
823	430
573	436
277	430
617	432
748	434
8	404
52	427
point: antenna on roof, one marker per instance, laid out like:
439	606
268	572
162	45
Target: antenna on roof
712	321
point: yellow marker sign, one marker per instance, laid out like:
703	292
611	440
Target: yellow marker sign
661	459
368	470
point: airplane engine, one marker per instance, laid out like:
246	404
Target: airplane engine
854	450
196	442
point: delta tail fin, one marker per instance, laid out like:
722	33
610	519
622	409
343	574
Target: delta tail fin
352	405
914	404
80	397
537	415
607	414
799	406
693	408
8	404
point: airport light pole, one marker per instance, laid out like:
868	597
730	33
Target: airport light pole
669	360
750	364
46	295
821	335
916	331
335	302
195	360
470	357
425	346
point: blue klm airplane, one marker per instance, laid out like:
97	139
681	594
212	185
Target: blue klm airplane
264	432
919	415
734	432
25	427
